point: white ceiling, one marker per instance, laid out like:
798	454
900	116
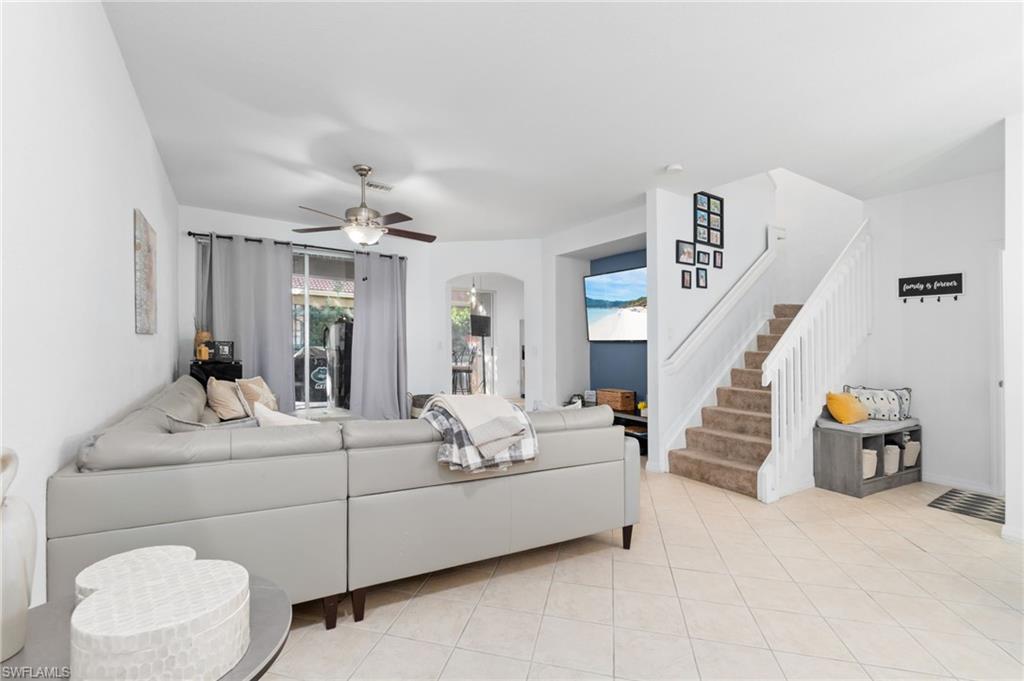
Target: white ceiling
511	120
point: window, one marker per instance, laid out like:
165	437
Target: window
323	288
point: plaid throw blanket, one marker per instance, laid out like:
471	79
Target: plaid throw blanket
459	452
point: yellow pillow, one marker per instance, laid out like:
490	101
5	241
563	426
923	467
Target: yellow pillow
845	408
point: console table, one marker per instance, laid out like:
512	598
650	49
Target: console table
636	427
838	455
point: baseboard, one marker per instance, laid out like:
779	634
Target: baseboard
1014	534
969	485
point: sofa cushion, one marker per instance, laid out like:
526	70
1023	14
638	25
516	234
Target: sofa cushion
184	399
256	443
410	465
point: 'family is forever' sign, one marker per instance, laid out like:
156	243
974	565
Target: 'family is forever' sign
932	285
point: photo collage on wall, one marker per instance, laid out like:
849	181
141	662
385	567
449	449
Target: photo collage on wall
709	232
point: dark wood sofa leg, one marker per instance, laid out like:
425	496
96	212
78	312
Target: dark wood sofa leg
627	536
358	604
330	604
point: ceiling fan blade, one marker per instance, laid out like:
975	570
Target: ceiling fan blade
394	218
309	230
406	234
336	217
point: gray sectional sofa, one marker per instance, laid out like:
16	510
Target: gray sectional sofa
326	509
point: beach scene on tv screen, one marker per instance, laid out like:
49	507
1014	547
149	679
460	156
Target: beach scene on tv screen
617	305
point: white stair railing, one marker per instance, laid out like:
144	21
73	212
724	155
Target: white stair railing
809	359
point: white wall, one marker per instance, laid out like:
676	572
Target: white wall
947	352
78	158
1013	329
506	313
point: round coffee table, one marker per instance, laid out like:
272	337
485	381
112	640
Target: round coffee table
48	642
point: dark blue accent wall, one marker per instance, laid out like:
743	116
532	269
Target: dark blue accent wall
613	364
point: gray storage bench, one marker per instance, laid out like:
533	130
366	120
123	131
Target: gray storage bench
838	454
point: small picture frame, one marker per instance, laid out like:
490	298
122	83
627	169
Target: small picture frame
718	257
687	280
224	351
702	218
716	221
703	258
715	204
701	235
685	252
702	201
702	277
716	238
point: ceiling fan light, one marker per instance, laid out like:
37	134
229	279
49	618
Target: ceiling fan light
364	235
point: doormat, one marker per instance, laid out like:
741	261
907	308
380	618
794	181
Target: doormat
972	504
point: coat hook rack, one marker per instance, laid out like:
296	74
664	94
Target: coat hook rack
932	286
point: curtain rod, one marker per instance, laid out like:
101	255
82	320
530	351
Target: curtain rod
206	235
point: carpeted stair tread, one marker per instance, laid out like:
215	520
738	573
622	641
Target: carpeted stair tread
748	378
714	470
754	359
786	310
779	325
767	341
745	399
751	449
737	421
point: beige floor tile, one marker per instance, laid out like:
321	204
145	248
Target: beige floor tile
516	593
846	604
707	586
576	645
589	570
580	602
805	667
771	594
651	551
727	541
885	646
808	571
776	528
879	539
536	564
432	619
754	565
915	559
723	623
650	612
975	567
549	672
326	653
463	584
886	674
501	632
690	558
885	580
923	613
726	661
970	656
728	523
953	588
645	578
587	546
1000	624
1016	650
827	530
687	535
396	658
409	585
802	634
382	609
1010	593
852	554
800	548
468	665
642	656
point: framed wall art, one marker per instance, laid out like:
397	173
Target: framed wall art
703	258
702	277
700	235
685	252
709	216
715	238
687	280
718	259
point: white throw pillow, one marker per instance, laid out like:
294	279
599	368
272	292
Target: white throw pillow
269	417
226	398
255	390
882	405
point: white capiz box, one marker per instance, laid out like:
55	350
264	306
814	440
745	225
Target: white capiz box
185	620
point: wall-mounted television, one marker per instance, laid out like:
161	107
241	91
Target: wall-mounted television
616	305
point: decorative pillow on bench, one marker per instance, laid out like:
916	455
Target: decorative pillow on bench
882	404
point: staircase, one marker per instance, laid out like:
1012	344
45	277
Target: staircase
736	435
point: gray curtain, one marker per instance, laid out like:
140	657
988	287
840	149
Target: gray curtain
204	299
251	296
378	338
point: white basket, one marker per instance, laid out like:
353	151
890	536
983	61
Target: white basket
891	460
869	460
911	453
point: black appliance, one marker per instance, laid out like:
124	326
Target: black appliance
338	344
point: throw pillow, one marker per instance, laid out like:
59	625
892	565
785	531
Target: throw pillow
882	405
269	417
255	390
226	398
845	408
176	425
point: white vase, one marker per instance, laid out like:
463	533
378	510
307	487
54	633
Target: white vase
18	530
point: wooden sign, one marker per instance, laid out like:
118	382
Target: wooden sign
932	285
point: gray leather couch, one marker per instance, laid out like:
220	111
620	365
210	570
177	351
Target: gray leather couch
324	509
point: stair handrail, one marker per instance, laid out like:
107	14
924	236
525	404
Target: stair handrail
809	357
725	304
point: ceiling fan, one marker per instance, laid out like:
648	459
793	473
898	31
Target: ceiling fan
363	224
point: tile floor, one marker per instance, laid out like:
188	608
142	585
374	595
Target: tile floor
716	586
